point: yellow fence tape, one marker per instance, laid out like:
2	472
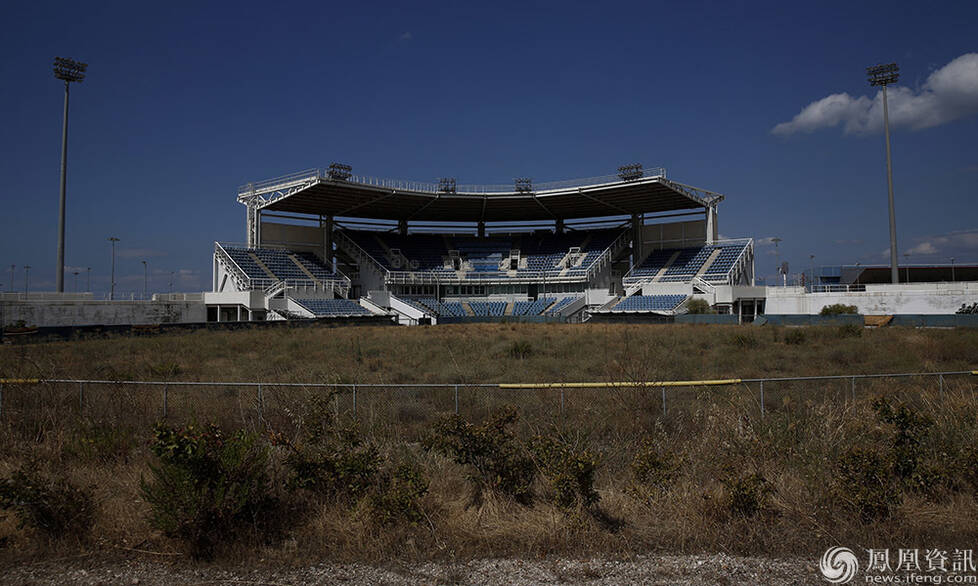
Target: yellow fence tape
605	385
19	381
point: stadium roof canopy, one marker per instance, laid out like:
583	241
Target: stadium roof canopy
315	192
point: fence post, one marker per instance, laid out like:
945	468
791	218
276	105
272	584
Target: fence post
853	389
456	399
261	404
165	388
354	401
1	399
81	396
762	399
663	401
940	379
561	403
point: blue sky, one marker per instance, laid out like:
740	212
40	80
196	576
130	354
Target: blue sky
185	101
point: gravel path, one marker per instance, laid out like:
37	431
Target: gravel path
665	569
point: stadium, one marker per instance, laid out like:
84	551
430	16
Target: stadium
327	243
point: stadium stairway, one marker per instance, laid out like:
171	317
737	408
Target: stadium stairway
509	308
302	267
666	266
467	308
709	262
262	265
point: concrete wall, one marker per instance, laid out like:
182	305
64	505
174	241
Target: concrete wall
46	313
910	298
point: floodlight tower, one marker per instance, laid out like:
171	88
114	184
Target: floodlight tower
68	71
113	240
884	75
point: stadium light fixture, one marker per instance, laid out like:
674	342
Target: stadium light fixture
69	71
884	75
446	185
630	172
339	172
145	278
113	240
88	280
76	281
523	185
777	256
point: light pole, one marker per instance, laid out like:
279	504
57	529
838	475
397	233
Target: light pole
884	75
12	267
68	71
906	257
952	269
76	280
27	280
145	278
88	280
113	240
171	281
777	253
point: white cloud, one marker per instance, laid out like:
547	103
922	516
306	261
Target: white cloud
949	93
406	36
923	248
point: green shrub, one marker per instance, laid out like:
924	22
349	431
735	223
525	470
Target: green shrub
335	465
329	459
743	340
911	429
746	494
52	505
520	349
838	309
569	471
491	450
850	331
795	336
397	494
100	442
653	469
865	484
699	306
208	487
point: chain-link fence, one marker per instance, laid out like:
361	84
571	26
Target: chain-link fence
405	411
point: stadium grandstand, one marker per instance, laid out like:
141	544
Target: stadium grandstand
325	242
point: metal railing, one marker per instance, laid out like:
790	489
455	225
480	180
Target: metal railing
629	281
508	391
284	182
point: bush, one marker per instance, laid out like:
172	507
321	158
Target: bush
398	495
795	336
850	331
51	505
865	484
743	340
207	487
332	460
746	494
907	454
568	470
653	469
838	309
699	306
491	450
520	349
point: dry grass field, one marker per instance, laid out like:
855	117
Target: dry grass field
897	465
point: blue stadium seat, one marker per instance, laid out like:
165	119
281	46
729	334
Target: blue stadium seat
642	303
333	307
